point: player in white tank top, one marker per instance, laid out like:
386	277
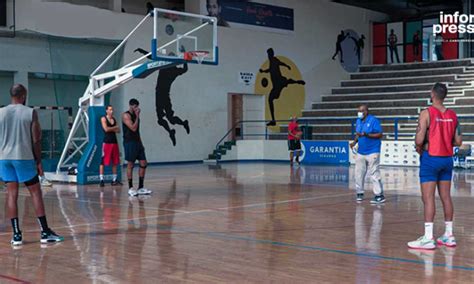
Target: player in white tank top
20	161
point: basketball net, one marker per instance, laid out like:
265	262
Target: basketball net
197	55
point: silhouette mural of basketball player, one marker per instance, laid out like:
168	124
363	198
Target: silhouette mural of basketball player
164	108
359	45
279	82
340	38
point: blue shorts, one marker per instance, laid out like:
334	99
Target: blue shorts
434	169
18	170
134	150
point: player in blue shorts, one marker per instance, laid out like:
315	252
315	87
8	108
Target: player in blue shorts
438	131
20	161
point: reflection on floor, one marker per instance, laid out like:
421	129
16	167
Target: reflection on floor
248	222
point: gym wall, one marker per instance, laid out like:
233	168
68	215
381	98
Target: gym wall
201	94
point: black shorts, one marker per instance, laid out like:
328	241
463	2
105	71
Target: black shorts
134	150
294	145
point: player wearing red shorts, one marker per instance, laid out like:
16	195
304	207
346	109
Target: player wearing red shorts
110	149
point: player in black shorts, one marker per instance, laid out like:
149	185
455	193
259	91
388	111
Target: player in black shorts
294	143
133	147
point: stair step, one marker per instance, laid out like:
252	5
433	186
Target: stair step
214	157
411	111
399	81
425	102
415	65
383	89
219	152
409	73
392	95
396	90
225	147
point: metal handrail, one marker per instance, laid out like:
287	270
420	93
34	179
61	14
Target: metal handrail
306	121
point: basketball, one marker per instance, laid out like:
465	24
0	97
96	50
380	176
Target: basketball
299	134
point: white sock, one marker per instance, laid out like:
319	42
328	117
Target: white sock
429	230
114	177
449	228
101	177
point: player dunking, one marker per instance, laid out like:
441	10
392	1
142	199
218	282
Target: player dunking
438	131
164	107
279	82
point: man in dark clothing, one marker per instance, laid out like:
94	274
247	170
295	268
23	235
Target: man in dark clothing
416	44
392	45
133	147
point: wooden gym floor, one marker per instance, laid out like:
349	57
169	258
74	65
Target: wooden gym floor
248	222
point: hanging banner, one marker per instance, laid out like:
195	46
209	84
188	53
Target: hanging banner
3	13
231	13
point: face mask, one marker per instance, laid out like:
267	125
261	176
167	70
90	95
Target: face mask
360	115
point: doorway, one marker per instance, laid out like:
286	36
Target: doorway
236	114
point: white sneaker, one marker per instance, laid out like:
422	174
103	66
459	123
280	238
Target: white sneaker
449	241
143	191
143	197
425	255
132	192
45	182
422	243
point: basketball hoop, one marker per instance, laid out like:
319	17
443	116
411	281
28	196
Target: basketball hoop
197	55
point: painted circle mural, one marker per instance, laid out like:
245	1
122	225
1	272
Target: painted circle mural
349	50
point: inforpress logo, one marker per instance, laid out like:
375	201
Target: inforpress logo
454	23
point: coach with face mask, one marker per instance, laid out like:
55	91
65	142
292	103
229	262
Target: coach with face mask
368	137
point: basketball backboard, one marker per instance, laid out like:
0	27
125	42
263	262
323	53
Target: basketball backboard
178	33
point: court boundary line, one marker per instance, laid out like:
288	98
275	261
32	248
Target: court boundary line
263	241
182	213
315	248
11	278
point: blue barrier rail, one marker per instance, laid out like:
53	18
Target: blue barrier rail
309	121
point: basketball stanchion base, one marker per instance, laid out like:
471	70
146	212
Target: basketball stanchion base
87	170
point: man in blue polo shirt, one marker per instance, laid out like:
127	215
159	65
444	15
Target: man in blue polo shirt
368	137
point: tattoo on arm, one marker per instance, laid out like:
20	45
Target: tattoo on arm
458	129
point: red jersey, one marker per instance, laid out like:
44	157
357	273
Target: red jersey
293	129
441	132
